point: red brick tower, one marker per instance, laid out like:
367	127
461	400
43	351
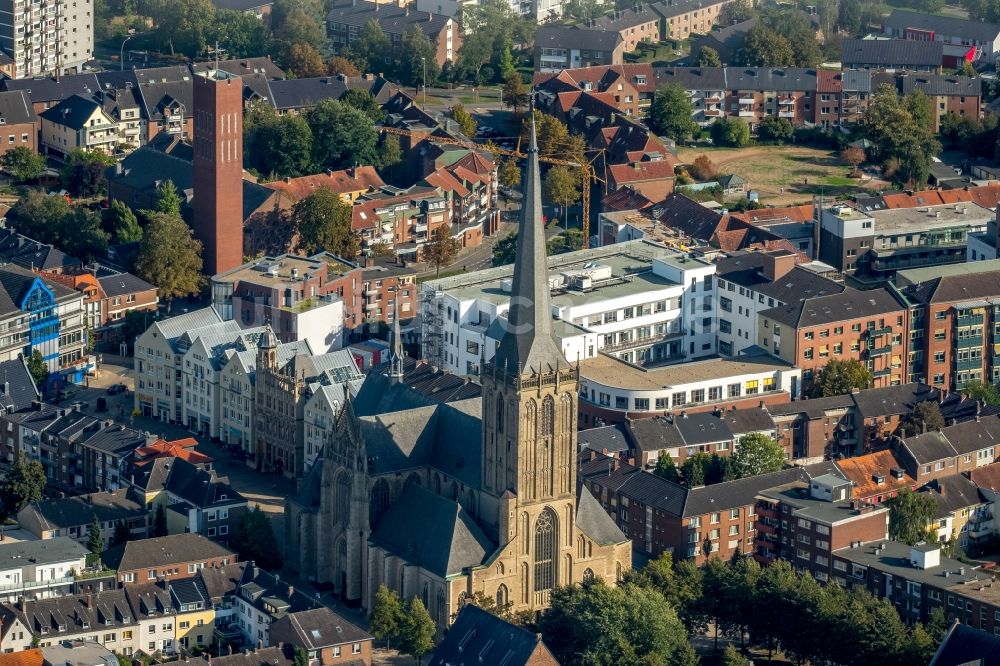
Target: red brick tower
218	169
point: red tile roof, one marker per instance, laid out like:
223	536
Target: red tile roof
829	81
987	476
624	198
358	179
31	657
863	469
641	172
790	214
987	196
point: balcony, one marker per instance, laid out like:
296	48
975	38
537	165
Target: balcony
746	100
880	351
713	113
647	341
884	372
875	332
969	364
970	341
969	320
745	113
786	114
786	101
713	99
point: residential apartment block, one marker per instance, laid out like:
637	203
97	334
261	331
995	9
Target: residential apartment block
956	35
344	22
51	37
562	47
635	300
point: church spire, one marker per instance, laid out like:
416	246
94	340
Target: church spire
527	344
396	359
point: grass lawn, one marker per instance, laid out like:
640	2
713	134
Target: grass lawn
784	175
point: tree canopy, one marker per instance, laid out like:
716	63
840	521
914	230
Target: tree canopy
442	248
925	417
670	113
901	129
170	257
841	377
254	538
342	135
24	483
76	230
23	164
757	453
386	619
323	222
910	515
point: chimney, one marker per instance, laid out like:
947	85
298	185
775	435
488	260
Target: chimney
229	648
90	601
291	591
777	264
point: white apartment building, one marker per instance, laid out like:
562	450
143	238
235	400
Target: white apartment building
158	360
611	389
750	282
40	569
638	300
46	37
236	394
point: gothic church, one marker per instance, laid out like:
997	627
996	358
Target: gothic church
447	499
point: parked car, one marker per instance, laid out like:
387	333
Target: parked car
115	389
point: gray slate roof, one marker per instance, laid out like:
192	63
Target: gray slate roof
160	551
67	512
316	629
121	284
44	89
49	551
891	52
746	270
432	532
17	388
15	108
479	635
72	112
820	310
964	645
567	37
949	26
594	521
612	439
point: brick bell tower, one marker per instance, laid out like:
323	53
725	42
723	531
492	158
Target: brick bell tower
218	169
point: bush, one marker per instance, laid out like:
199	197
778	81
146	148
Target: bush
703	169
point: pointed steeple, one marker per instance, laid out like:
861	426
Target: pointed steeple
396	359
527	345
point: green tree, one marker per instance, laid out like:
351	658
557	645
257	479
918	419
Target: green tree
301	658
160	522
488	28
299	28
585	624
239	34
504	250
515	93
732	657
910	514
95	542
371	49
466	123
666	468
122	223
764	47
442	249
170	257
510	174
183	26
167	199
775	130
121	534
561	187
323	221
756	453
38	369
23	164
797	30
254	540
416	60
730	132
925	417
365	102
390	155
736	12
900	130
507	62
982	391
417	635
277	146
50	219
23	484
387	616
84	172
851	16
707	57
841	377
342	135
670	113
694	469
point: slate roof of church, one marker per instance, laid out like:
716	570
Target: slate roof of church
432	532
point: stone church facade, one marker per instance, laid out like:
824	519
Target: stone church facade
448	500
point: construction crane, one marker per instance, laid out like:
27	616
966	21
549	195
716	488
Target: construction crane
586	168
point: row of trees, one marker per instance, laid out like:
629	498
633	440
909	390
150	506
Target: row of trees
407	626
335	134
755	454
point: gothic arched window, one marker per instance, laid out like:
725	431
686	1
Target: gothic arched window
343	512
545	551
437	484
588	575
548	416
502	596
500	413
440	606
426	596
378	501
530	420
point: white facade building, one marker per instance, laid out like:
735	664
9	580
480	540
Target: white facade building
637	300
610	385
47	37
40	569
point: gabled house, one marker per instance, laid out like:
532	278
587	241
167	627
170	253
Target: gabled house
72	516
326	637
81	123
173	557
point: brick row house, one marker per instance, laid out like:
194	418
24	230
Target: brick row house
345	21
